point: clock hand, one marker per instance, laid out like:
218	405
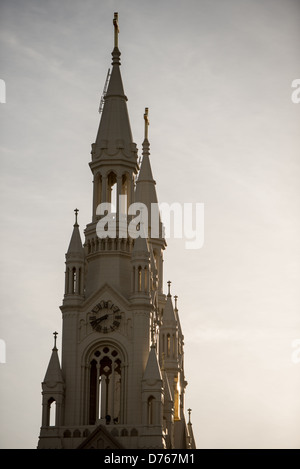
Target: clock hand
102	318
95	322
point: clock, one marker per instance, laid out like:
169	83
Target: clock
105	317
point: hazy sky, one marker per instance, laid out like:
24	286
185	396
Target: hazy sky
216	76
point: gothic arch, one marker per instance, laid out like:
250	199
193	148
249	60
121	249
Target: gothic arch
51	412
111	187
105	368
97	189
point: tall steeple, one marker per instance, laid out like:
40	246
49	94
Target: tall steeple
112	389
114	153
114	135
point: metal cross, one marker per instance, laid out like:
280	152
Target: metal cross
55	335
147	123
76	214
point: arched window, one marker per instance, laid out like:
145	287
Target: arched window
51	417
139	278
105	385
74	280
145	279
168	345
98	189
134	432
79	282
112	191
125	192
150	419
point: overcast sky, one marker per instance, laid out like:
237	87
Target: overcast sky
216	76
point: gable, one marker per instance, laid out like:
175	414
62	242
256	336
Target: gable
100	438
105	292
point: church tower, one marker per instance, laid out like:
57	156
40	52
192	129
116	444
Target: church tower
120	382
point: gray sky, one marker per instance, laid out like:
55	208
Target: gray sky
216	76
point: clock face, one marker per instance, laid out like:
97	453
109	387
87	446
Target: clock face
106	317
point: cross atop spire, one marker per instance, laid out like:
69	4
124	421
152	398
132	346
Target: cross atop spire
116	28
189	411
55	336
147	123
76	215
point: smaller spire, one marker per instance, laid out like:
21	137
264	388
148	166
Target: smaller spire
169	316
140	247
152	371
53	376
75	245
169	287
55	337
190	436
176	298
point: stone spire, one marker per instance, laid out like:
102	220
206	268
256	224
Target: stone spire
152	371
145	184
74	274
75	246
114	138
169	317
53	374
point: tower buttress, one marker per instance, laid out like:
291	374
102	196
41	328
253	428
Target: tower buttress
73	299
169	349
53	388
152	401
74	275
